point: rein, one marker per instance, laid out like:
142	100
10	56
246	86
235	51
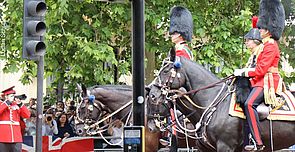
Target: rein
208	86
115	112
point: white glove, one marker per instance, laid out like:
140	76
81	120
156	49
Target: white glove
238	72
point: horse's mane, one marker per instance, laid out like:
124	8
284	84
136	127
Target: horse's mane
112	87
189	65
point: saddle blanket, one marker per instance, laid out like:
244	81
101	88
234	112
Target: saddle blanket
284	112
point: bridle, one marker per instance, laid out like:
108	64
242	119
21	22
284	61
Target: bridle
89	109
170	95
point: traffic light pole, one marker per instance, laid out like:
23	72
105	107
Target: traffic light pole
138	61
40	77
34	29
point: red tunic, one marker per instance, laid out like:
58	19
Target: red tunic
10	122
268	58
183	50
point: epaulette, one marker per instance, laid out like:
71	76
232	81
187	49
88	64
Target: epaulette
269	40
272	41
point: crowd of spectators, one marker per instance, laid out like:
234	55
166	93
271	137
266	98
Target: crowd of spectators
58	120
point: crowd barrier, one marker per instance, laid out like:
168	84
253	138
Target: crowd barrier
78	144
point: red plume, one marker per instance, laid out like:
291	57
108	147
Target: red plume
254	21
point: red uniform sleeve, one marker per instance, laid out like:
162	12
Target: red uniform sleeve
24	112
265	62
3	106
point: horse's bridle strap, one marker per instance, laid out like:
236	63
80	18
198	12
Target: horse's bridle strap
118	110
208	86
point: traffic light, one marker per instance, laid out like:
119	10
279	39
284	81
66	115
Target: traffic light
34	29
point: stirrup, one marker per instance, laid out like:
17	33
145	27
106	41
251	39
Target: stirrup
254	147
250	147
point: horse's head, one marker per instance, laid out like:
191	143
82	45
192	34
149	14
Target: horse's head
89	110
157	109
170	78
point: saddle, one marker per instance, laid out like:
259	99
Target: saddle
285	98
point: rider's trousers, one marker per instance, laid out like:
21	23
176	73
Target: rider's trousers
255	98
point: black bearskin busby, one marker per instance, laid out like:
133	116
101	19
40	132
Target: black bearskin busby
254	33
272	17
181	21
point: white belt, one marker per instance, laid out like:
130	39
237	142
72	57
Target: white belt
9	123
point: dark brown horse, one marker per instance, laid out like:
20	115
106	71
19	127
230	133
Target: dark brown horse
112	98
218	130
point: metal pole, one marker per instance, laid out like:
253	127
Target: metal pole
40	76
138	61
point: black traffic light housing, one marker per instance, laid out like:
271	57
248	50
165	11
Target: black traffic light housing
34	29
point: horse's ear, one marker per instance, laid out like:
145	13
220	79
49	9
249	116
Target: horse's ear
172	54
79	88
147	89
84	89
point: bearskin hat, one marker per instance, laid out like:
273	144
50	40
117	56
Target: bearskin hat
181	21
254	33
272	17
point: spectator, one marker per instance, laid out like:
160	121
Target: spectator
64	128
60	108
71	106
31	124
115	129
71	115
46	106
49	126
32	104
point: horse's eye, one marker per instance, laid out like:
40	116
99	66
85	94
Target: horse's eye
166	71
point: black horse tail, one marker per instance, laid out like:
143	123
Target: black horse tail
173	147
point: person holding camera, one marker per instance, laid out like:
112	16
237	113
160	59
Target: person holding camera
49	126
12	110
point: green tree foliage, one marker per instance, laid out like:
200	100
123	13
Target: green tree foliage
288	43
82	36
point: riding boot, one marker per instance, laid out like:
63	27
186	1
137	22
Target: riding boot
247	133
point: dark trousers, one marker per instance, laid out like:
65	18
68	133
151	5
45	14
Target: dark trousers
10	147
246	130
255	98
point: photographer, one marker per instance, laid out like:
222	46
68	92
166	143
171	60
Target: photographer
49	126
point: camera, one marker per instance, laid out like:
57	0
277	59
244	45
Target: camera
49	118
21	97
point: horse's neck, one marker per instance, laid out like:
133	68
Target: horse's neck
198	78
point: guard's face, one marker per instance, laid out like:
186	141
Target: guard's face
250	44
10	97
264	33
175	37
